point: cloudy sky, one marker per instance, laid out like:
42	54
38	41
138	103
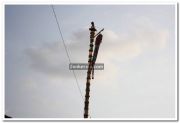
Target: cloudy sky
138	51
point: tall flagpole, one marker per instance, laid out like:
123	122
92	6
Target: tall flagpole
86	103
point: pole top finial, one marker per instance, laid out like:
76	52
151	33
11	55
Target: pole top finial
92	23
92	27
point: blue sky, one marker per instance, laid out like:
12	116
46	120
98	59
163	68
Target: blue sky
138	51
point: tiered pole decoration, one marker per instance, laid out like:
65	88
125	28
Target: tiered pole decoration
92	35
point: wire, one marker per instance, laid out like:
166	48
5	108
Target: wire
66	50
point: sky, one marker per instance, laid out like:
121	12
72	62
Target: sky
138	52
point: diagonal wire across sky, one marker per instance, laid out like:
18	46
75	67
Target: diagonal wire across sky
61	36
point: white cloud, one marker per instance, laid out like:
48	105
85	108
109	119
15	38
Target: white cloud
144	36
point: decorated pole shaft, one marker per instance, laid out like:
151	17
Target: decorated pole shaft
87	95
